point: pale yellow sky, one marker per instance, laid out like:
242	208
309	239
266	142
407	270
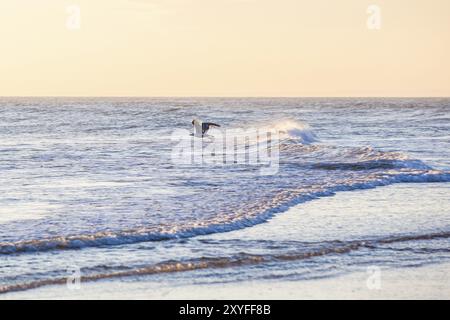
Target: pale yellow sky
224	48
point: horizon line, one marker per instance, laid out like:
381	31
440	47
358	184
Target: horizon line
224	97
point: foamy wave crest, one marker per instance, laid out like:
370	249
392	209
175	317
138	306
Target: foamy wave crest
286	128
367	158
246	217
293	129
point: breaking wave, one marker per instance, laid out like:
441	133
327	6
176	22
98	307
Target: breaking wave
259	214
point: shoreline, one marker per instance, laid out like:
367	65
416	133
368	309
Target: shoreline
313	221
412	283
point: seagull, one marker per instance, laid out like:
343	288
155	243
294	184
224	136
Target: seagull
203	127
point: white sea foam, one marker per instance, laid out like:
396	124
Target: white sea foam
104	167
248	218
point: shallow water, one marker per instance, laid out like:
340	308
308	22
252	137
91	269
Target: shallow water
89	183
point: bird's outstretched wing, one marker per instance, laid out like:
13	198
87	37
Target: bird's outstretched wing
207	125
210	124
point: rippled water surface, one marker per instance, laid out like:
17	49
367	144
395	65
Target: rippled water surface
91	183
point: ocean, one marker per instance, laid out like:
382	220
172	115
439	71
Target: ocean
90	189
